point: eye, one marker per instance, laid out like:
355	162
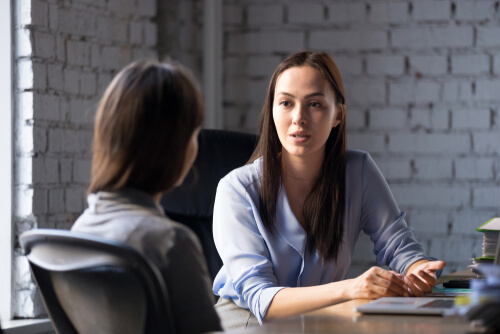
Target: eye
315	104
285	103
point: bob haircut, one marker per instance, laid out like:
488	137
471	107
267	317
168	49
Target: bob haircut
143	124
324	207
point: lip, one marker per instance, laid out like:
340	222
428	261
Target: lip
304	136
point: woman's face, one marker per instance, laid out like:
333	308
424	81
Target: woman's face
191	152
304	111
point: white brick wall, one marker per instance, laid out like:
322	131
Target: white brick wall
433	169
180	33
434	10
262	14
66	53
422	79
488	36
261	42
496	64
428	64
308	13
395	168
475	168
391	12
457	91
466	119
470	64
353	40
432	37
366	92
388	118
386	65
346	12
474	11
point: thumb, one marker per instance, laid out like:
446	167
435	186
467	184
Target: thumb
435	265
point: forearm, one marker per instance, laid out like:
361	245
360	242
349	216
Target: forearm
292	301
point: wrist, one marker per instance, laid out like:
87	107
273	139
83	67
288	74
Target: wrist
414	265
345	290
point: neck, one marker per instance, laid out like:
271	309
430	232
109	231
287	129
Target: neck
303	170
157	198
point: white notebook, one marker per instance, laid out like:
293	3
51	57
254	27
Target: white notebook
409	305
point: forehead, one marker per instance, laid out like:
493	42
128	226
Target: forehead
300	78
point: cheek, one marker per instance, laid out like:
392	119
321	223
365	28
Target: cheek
195	151
276	120
192	151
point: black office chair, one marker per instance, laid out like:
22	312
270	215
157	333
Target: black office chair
192	203
92	285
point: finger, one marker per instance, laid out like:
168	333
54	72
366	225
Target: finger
413	289
435	265
419	283
430	278
373	295
404	293
426	280
388	292
398	275
398	290
386	283
390	284
391	276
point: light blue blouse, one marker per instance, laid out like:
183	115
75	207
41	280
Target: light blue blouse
257	264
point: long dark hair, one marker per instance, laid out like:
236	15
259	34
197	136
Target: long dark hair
143	125
324	206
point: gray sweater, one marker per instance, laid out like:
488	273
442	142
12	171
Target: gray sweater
132	217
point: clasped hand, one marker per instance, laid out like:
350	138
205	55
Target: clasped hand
377	282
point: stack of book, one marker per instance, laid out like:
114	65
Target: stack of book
490	231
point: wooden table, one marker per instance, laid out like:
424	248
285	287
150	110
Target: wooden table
341	318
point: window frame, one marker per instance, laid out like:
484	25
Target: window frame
6	151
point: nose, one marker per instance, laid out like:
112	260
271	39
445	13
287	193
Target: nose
300	115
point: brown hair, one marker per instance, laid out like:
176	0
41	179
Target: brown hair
324	206
142	127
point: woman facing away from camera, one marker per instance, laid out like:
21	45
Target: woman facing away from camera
145	142
285	225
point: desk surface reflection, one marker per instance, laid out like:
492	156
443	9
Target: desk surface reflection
341	318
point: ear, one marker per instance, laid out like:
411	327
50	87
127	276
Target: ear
340	115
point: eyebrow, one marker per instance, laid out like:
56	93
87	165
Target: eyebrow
309	95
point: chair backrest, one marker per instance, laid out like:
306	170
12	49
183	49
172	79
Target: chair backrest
192	203
93	285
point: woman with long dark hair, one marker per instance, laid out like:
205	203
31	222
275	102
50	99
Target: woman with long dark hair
285	225
145	142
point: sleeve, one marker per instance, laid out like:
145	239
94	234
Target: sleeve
188	282
240	240
394	242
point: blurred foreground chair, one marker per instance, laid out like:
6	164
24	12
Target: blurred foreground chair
192	203
92	285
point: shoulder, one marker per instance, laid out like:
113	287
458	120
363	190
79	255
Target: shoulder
159	235
245	178
164	226
361	168
167	242
357	159
356	156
